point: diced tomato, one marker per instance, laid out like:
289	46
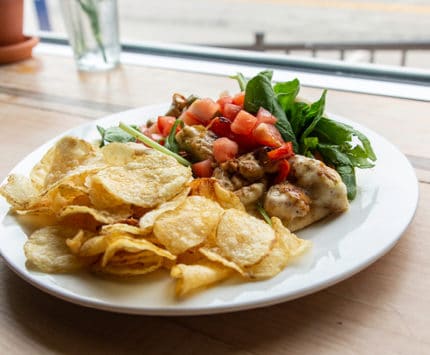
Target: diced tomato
244	123
165	124
285	151
224	149
223	100
203	168
204	110
221	126
239	99
246	143
284	170
264	116
267	134
189	119
230	111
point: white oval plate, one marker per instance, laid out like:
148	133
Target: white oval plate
385	204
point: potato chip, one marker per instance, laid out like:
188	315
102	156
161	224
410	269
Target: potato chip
214	254
146	223
211	189
68	154
64	195
191	256
188	225
101	216
272	264
154	179
100	197
41	169
78	240
47	250
296	246
146	263
131	245
122	228
94	246
192	277
243	239
287	246
125	258
19	192
120	154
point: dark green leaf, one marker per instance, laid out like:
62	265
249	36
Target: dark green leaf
267	73
286	93
171	142
333	155
102	134
333	132
297	116
115	134
309	144
313	115
347	174
366	144
359	158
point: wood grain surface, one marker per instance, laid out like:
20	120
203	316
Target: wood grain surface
384	309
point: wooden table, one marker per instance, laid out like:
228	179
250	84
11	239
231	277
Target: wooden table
383	309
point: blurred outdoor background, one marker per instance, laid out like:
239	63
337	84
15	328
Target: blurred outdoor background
391	32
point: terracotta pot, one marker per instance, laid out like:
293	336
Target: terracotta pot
11	17
14	46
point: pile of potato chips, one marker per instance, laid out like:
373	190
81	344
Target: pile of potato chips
125	209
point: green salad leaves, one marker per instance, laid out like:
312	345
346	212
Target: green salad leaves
114	134
308	128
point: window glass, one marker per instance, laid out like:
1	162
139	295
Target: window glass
390	32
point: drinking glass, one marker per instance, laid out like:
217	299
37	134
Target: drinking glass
92	28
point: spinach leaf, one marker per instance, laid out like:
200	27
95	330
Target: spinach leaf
347	173
359	157
366	144
171	142
267	73
297	116
313	115
309	144
334	132
114	134
286	93
259	93
333	154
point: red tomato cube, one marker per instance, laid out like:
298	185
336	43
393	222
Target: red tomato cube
203	168
230	111
204	110
264	116
189	119
244	123
165	124
239	99
223	100
267	134
224	149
